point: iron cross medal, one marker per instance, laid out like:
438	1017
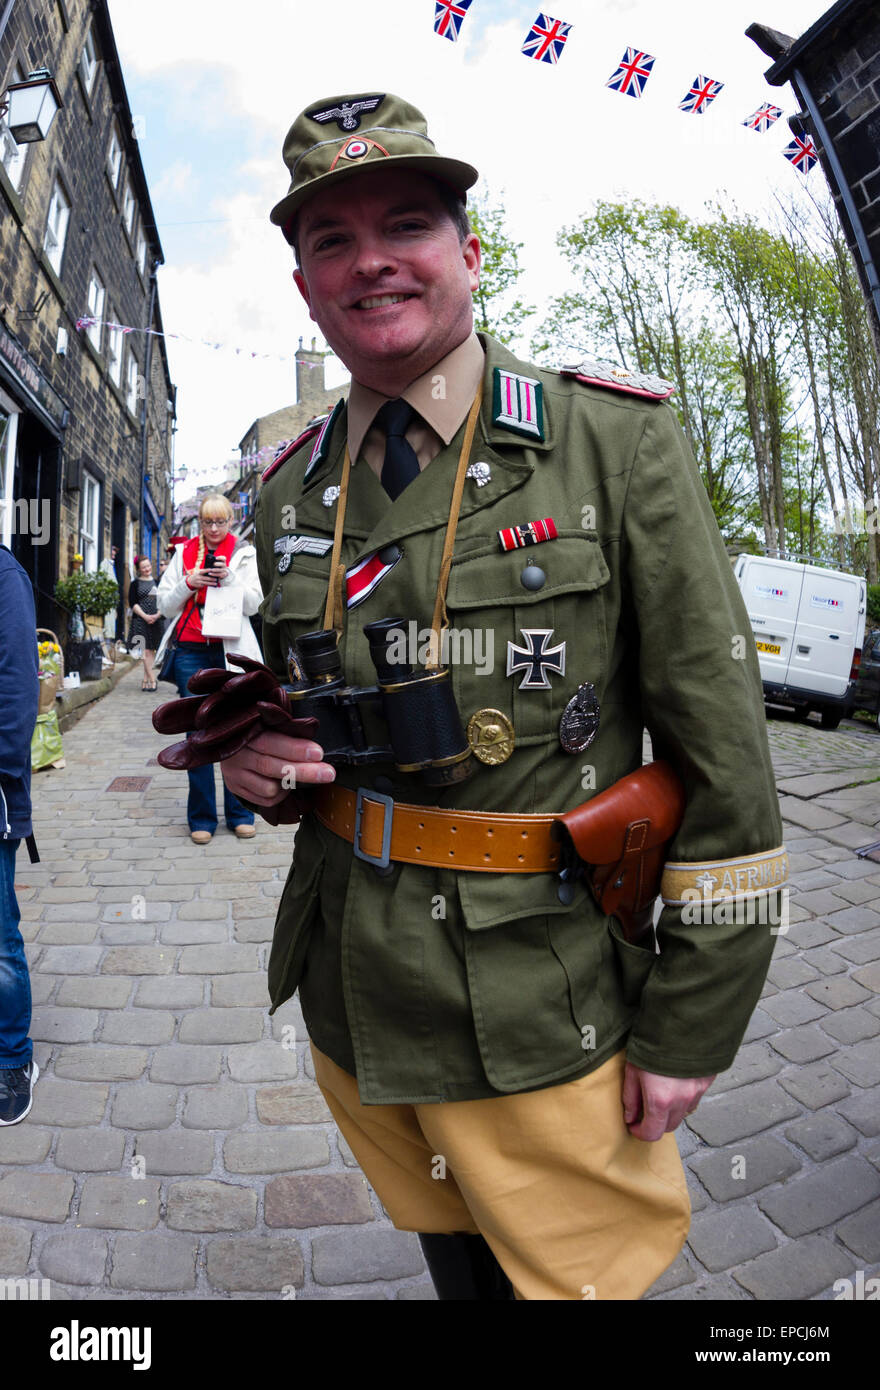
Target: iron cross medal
536	658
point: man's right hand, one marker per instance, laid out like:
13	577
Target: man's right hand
273	765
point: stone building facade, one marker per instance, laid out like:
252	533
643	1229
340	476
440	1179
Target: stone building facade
834	69
270	432
86	411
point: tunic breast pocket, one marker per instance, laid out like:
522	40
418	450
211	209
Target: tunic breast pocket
523	642
296	604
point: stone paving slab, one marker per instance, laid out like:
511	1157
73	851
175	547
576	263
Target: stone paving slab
179	1147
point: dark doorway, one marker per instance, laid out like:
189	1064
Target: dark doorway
35	492
117	538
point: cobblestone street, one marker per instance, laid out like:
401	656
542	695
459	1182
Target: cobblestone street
179	1148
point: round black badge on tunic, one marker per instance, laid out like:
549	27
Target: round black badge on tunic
580	720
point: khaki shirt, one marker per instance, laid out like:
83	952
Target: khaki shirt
431	985
442	397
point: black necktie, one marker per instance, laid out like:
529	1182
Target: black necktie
400	465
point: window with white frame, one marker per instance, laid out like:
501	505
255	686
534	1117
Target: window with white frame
114	157
88	62
8	439
129	206
12	156
56	227
132	384
142	252
115	337
91	522
97	299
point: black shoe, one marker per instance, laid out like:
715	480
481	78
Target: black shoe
17	1092
463	1267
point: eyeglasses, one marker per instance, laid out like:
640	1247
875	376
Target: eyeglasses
213	522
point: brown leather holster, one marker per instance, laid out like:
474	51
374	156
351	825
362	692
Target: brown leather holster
619	840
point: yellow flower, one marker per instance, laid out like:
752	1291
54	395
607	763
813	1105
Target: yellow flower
77	557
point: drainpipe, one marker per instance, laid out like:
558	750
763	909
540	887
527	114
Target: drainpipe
4	19
147	371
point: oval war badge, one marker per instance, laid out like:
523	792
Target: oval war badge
580	720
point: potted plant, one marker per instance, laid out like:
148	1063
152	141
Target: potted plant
85	596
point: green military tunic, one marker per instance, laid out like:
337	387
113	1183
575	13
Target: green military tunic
431	985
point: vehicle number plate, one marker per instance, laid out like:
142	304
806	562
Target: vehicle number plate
769	647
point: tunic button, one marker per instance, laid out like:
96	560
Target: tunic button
390	554
533	577
565	893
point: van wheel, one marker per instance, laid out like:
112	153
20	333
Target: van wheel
831	718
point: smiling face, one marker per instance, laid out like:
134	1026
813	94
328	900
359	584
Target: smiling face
385	276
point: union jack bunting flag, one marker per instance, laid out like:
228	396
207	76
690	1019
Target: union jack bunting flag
802	153
633	73
448	17
546	39
765	116
701	95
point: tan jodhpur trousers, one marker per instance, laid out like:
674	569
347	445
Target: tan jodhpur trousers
571	1204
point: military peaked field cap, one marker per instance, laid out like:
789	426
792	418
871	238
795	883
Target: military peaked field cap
338	137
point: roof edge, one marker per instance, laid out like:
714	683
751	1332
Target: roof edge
782	69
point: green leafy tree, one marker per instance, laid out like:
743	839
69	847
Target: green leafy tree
637	301
497	308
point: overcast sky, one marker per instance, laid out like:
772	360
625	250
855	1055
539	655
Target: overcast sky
215	85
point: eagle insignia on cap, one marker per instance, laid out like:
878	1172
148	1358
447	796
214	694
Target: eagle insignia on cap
348	115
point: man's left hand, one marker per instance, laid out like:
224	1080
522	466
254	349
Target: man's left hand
653	1104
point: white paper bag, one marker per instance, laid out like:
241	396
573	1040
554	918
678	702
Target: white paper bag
224	607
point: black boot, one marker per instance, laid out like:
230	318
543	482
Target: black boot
463	1267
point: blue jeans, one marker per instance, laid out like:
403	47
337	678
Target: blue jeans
201	807
15	982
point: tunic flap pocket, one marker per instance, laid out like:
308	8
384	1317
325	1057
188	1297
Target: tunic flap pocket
488	900
492	578
299	594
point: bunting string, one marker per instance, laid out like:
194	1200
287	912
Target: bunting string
546	42
89	321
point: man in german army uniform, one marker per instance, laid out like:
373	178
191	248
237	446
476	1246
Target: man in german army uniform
498	1037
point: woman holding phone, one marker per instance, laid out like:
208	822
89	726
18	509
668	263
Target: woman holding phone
214	557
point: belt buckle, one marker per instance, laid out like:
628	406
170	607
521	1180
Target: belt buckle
383	860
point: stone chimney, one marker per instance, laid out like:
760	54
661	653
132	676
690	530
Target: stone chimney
309	375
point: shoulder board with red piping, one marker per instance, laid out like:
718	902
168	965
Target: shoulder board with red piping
614	378
290	450
320	432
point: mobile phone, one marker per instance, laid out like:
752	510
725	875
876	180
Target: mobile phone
209	560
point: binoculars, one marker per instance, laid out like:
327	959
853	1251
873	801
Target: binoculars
422	721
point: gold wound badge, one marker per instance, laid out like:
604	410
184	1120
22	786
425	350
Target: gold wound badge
490	735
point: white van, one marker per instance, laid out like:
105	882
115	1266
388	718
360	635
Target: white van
809	625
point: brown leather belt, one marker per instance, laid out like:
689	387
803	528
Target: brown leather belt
383	831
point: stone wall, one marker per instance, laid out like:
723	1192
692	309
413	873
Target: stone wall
103	433
842	69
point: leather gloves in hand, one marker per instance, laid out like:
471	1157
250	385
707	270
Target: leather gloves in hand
224	714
